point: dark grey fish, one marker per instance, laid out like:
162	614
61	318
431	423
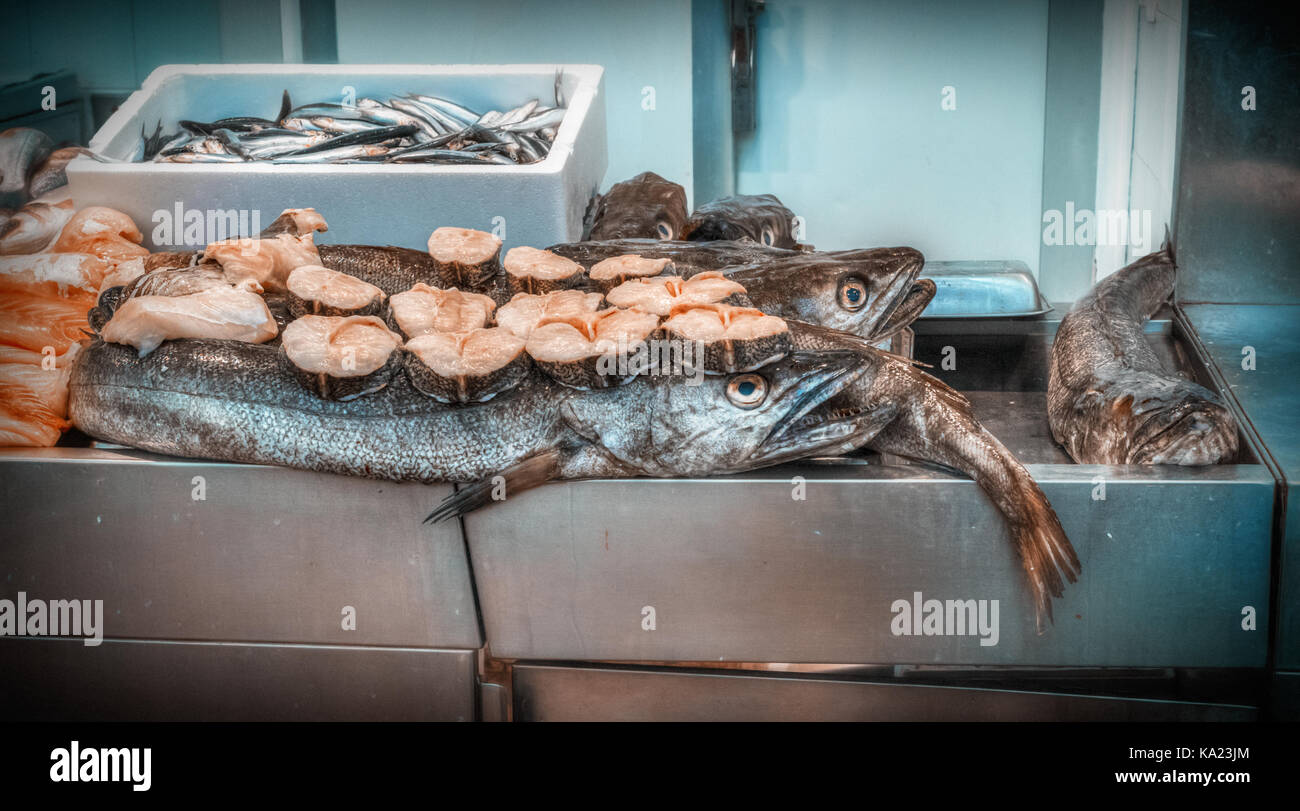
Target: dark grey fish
243	402
872	293
901	410
365	137
52	173
393	270
647	206
22	150
760	217
1109	399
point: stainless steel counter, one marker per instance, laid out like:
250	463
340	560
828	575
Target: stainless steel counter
240	592
1267	393
736	569
233	591
551	693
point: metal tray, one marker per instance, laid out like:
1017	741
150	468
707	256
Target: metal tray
983	289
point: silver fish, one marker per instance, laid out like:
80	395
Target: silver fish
550	118
243	402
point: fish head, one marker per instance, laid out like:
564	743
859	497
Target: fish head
857	291
758	217
1192	430
700	425
646	207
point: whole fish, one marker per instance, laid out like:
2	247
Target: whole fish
33	227
1109	399
647	206
243	402
22	150
52	173
363	138
340	154
872	293
903	411
760	217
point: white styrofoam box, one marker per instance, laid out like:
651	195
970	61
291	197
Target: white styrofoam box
383	204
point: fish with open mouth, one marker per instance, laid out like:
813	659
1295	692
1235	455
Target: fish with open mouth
646	206
759	217
871	292
1109	399
898	409
243	402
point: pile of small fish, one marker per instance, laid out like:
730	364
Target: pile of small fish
413	128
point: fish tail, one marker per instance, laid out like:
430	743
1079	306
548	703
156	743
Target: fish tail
1045	551
941	427
532	472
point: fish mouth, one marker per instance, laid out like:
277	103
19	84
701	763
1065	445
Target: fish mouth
902	270
822	375
1194	432
909	308
897	296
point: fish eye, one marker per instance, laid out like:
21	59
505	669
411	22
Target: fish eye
665	230
747	390
768	236
853	293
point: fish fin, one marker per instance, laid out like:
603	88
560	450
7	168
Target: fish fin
590	216
285	107
1045	551
531	472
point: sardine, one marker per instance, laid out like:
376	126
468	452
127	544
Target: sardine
409	123
243	402
903	411
1109	399
647	206
760	217
334	155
